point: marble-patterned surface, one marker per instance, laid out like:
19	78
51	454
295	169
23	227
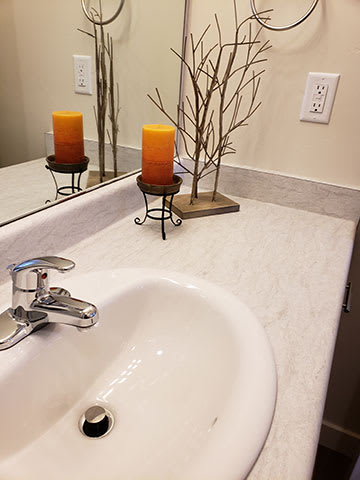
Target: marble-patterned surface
288	265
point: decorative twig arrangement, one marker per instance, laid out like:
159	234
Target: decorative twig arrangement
224	97
114	107
105	90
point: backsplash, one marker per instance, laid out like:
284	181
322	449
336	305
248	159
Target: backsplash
317	197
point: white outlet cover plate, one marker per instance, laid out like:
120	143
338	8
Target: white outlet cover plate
82	74
330	79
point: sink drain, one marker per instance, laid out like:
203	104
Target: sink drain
96	422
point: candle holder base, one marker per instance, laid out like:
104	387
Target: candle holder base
165	212
66	168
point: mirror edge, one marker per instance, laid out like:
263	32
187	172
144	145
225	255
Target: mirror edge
127	175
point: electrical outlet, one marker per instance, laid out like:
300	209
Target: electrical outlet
82	74
319	97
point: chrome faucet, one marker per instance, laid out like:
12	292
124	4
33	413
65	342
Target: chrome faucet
34	304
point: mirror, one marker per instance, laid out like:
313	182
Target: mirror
39	39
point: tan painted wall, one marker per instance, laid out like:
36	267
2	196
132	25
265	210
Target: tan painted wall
276	140
38	39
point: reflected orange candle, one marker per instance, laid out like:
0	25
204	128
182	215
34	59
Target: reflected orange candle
158	154
68	137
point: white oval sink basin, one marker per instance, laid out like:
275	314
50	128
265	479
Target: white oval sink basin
185	368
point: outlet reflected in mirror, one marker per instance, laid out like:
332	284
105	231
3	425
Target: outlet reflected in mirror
39	79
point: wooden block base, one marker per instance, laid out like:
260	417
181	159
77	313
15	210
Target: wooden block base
203	206
93	178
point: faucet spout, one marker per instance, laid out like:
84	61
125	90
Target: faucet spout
66	310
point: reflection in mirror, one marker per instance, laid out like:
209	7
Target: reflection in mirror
8	327
41	38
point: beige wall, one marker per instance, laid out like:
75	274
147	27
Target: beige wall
38	39
276	140
11	96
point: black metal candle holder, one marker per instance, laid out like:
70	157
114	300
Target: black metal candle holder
164	191
66	168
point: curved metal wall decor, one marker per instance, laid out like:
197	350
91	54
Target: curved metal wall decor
284	27
102	22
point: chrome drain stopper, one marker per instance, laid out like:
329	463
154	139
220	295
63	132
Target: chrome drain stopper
96	422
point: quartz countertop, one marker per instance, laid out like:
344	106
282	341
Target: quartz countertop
289	266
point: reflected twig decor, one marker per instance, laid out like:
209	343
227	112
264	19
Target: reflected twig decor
223	97
114	107
105	89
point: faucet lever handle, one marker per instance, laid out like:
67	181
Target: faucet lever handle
57	263
29	273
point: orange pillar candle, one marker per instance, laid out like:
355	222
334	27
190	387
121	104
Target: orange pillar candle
158	154
68	137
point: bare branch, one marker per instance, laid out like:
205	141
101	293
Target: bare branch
216	106
219	30
201	37
86	33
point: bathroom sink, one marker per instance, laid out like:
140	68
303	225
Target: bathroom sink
183	366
